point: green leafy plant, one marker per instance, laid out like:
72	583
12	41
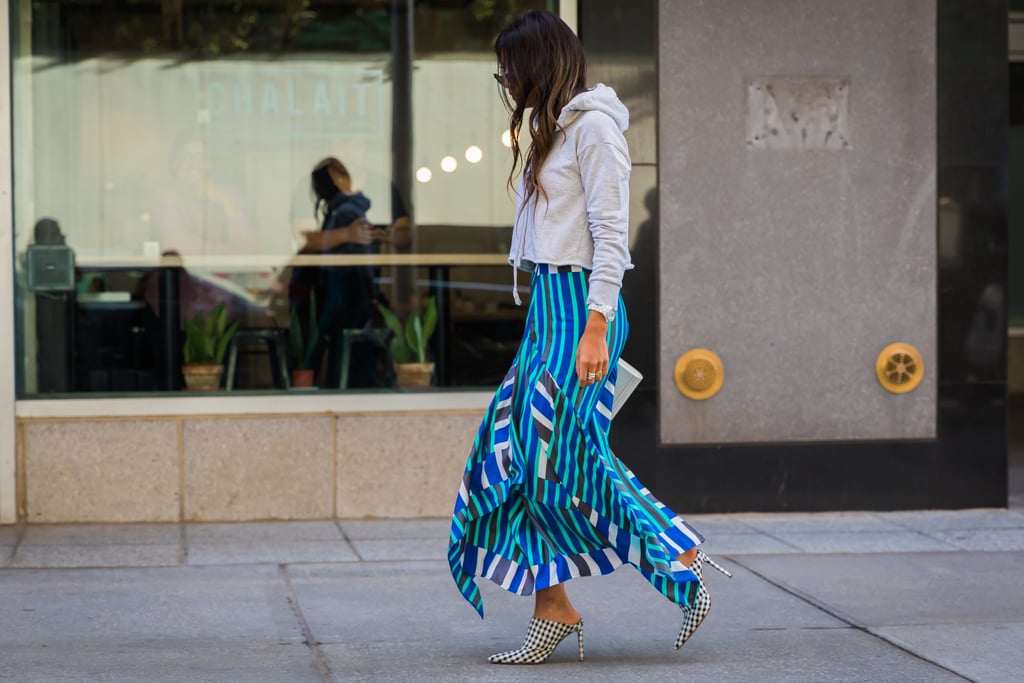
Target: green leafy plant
207	337
409	343
300	347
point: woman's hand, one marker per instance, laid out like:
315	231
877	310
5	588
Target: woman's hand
398	234
381	233
592	351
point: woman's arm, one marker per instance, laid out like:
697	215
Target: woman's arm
399	233
604	173
356	232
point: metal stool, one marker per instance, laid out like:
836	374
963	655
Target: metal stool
274	339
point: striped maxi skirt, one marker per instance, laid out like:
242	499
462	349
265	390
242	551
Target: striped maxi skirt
543	499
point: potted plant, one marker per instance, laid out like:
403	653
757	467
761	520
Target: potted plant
206	340
300	346
409	344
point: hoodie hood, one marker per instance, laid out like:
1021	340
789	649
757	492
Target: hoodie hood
357	200
599	98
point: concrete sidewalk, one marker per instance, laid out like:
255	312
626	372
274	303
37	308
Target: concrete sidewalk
908	596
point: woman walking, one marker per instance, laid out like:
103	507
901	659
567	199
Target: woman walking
543	498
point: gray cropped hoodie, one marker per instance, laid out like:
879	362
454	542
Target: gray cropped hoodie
584	220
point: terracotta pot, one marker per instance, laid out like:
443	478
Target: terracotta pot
302	379
414	375
202	377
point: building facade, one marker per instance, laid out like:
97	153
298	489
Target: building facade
820	305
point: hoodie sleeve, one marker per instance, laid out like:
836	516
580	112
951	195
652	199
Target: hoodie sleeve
604	171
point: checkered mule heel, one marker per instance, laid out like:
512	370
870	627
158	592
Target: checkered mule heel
542	637
693	614
702	557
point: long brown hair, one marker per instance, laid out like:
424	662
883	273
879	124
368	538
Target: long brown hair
543	63
325	183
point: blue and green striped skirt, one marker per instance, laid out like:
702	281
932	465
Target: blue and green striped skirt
543	499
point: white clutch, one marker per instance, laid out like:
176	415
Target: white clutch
627	380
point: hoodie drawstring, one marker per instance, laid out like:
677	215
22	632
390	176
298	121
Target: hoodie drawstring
517	253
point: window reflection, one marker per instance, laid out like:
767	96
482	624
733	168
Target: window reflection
189	129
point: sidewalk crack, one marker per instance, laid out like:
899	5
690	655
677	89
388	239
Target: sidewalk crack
307	633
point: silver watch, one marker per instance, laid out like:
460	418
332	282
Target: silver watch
607	311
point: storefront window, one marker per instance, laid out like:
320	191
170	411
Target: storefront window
163	165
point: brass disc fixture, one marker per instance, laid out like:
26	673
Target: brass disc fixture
699	374
899	368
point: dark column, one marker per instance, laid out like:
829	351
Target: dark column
170	315
973	143
401	98
401	133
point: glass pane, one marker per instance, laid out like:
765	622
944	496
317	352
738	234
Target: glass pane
1015	302
166	149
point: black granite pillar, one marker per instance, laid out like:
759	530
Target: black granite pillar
966	464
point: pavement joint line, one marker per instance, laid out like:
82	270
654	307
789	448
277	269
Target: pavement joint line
22	529
907	649
182	544
940	540
929	536
743	522
845	618
780	540
980	527
361	560
857	551
311	642
348	541
926	534
929	533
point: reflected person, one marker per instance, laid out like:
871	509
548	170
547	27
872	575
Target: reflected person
195	214
345	296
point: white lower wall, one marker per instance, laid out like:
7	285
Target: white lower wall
242	468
